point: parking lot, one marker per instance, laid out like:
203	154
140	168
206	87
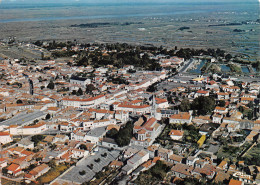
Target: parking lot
23	119
74	176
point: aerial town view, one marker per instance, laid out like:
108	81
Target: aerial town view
118	92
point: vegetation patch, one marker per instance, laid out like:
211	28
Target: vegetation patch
252	157
235	68
53	173
154	175
123	136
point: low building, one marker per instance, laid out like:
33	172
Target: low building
37	172
135	161
175	159
26	143
14	169
176	134
181	170
181	118
145	131
5	137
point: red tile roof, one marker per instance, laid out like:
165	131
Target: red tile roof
176	133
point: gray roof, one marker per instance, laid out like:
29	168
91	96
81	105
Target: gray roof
73	174
109	140
168	111
97	132
23	118
25	142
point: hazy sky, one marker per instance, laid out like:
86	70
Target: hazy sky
119	1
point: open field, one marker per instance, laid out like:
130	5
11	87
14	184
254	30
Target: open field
158	25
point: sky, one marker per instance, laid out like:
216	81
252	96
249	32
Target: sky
118	1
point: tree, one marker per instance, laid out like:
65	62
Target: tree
51	85
112	133
221	103
124	135
42	55
83	147
52	163
203	105
151	88
169	99
83	172
250	114
228	57
90	88
19	102
74	92
99	174
79	92
185	105
48	116
155	66
37	138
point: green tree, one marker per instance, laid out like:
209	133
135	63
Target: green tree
83	147
250	114
203	105
79	92
112	133
48	116
124	135
37	138
19	102
151	88
90	88
221	103
228	57
83	172
52	163
51	85
185	105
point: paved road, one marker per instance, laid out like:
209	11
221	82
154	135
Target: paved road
186	66
23	118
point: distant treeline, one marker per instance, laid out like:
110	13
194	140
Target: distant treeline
234	23
103	24
228	24
184	28
125	54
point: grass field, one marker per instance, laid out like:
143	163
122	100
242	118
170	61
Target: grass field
53	174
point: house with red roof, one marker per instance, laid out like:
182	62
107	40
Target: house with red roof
221	110
235	182
3	163
201	93
83	103
37	172
183	117
176	134
136	109
14	169
223	96
33	129
146	130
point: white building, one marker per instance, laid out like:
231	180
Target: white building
80	81
183	117
83	103
135	161
5	137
